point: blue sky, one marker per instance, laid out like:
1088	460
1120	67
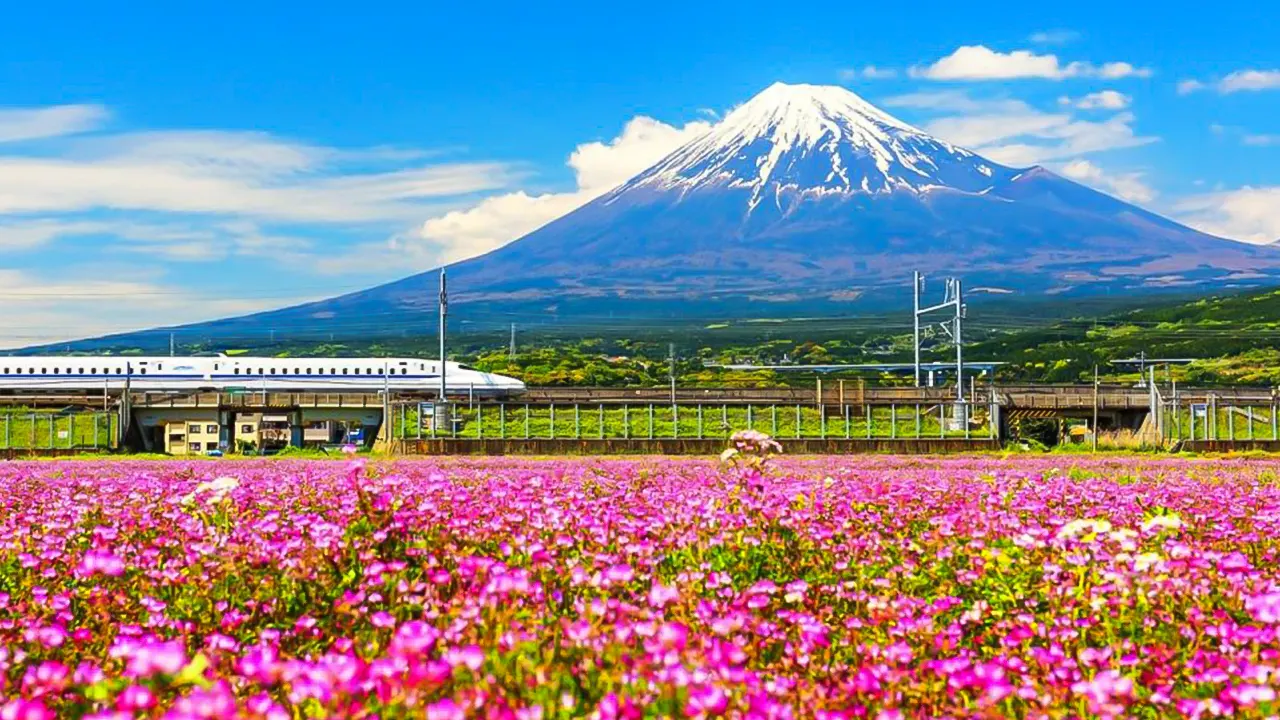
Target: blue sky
165	164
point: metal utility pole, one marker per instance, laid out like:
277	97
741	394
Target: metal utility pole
1095	408
171	345
671	371
916	286
511	352
954	298
444	312
959	344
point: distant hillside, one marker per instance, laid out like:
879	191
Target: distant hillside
1236	335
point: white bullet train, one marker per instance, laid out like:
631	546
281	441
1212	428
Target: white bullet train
254	374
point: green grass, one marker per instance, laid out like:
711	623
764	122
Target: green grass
661	421
36	430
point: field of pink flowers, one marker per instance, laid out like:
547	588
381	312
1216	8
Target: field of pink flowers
834	588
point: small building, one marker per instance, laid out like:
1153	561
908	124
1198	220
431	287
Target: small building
192	437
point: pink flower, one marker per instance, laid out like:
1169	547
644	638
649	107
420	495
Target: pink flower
414	637
101	562
470	656
1265	608
25	710
445	709
135	698
706	701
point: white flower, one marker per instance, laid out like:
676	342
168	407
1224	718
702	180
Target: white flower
728	454
1146	561
1079	527
217	490
1164	522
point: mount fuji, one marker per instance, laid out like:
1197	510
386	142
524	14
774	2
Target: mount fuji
809	199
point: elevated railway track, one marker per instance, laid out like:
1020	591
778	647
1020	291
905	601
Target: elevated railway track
822	413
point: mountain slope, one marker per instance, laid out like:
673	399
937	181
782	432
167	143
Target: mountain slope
805	199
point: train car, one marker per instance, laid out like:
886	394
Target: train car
223	373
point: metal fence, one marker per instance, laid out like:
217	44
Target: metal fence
45	430
623	421
1206	416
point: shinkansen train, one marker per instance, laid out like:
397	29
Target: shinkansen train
223	373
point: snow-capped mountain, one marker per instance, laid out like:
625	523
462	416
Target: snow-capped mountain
815	140
806	199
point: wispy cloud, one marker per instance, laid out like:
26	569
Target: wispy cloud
231	174
1238	81
1126	186
978	62
1013	132
1054	37
868	72
52	307
1102	100
1249	214
17	124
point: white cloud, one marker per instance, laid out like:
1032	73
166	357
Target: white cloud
34	123
953	101
231	174
1261	140
1027	136
1013	132
869	72
68	305
1054	37
1248	214
1241	80
1126	186
1238	81
1118	70
1103	100
1186	87
978	62
598	167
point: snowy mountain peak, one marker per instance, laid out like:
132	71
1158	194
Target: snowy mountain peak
792	141
804	111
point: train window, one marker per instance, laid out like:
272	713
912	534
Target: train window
344	371
55	371
93	371
259	371
159	366
235	371
297	371
333	371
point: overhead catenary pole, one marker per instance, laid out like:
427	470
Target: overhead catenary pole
1095	408
511	352
959	343
915	321
671	371
444	312
171	353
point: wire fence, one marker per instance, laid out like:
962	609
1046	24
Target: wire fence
45	430
526	421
